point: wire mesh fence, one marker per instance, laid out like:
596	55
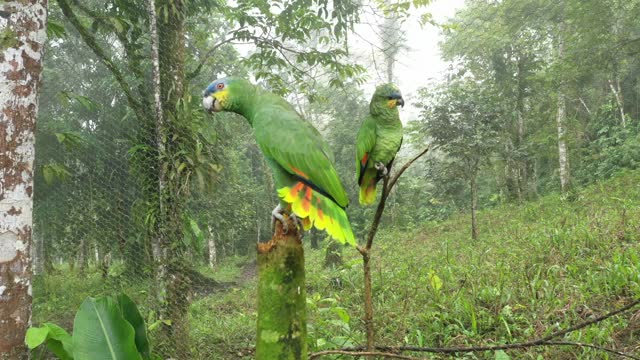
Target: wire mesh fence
129	198
101	227
125	204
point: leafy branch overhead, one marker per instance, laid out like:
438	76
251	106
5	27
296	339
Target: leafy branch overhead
304	40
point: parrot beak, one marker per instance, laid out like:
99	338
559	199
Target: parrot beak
211	104
207	103
217	105
398	98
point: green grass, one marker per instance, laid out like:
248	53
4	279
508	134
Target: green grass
537	267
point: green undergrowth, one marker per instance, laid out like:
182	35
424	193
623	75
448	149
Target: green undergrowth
538	267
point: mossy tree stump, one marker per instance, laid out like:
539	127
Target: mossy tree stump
282	321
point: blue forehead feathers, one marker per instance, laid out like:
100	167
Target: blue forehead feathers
211	88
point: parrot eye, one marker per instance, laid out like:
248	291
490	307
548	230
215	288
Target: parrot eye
220	86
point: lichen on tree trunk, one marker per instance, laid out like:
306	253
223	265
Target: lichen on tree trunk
22	38
282	326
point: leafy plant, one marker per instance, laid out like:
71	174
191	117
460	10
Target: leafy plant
104	328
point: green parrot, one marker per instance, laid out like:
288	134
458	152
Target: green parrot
307	183
379	140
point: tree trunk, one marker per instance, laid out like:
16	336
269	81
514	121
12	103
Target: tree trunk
368	301
23	30
615	85
282	327
104	264
257	229
173	281
511	173
617	93
474	205
82	255
392	37
523	158
73	253
561	119
333	255
213	255
534	180
103	257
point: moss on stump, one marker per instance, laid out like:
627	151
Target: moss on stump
282	322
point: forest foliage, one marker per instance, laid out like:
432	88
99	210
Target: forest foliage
518	71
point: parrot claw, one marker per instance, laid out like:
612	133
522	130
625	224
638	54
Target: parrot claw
298	223
277	214
380	167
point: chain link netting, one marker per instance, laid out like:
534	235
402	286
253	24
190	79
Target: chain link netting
124	206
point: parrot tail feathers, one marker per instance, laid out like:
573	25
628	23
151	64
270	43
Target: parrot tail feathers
368	188
315	209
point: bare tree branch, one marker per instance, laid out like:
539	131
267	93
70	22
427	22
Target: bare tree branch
395	178
129	47
91	41
592	346
363	353
358	351
544	341
388	184
592	321
585	105
209	53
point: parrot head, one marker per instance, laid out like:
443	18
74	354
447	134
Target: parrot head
387	95
224	94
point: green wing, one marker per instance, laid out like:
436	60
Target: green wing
364	145
299	148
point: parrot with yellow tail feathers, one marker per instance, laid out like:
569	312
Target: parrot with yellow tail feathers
306	180
379	140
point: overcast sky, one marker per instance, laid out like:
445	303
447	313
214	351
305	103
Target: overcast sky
419	65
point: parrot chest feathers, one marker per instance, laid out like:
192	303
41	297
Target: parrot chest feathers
387	144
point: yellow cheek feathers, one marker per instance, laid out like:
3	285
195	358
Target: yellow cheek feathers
392	103
222	97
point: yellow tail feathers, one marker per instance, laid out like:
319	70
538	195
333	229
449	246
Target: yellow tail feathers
368	193
315	209
368	187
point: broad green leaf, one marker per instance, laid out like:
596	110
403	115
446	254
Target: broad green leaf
56	339
36	336
132	315
100	332
59	342
342	313
501	355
